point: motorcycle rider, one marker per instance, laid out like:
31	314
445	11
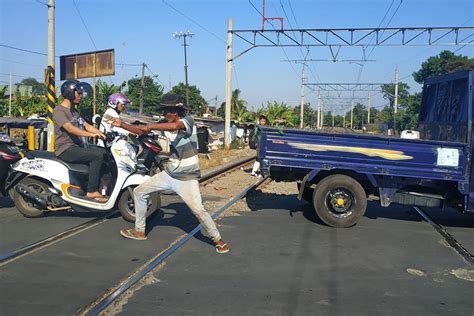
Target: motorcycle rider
181	172
71	132
116	105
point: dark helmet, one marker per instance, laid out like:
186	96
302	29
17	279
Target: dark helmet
70	86
171	100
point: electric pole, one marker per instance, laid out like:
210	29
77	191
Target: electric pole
396	90
184	35
368	110
352	112
228	85
142	89
302	98
50	76
10	104
318	122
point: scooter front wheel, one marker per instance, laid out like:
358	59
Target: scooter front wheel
25	207
126	204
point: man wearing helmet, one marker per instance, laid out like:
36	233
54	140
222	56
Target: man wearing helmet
181	173
71	132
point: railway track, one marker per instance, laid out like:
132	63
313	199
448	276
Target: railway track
463	252
113	293
11	256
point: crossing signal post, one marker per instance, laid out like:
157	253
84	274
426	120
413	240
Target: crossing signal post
51	100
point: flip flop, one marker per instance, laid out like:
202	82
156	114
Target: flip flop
97	199
133	234
224	248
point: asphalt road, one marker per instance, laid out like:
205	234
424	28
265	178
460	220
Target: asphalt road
283	261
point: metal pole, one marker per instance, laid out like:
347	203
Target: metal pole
368	110
51	75
352	112
142	88
10	104
318	123
186	71
396	90
302	98
228	85
94	84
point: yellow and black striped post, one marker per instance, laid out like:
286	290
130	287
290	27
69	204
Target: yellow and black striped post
49	82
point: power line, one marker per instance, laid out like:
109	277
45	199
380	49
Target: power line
23	50
194	21
84	23
17	62
155	76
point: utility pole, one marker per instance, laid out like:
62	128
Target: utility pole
318	123
302	98
228	85
184	35
142	89
10	104
368	110
396	90
50	75
352	112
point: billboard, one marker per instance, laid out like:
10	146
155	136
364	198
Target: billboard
87	65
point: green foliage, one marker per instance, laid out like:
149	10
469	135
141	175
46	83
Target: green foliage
238	107
4	101
441	64
279	114
152	94
309	116
26	104
36	87
103	91
197	104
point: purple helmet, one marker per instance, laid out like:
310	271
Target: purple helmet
117	98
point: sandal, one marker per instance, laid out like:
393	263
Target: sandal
222	248
100	199
133	234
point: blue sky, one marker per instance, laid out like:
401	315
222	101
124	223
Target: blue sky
141	31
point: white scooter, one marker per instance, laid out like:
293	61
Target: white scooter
40	182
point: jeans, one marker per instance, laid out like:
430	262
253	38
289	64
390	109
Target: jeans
188	190
93	156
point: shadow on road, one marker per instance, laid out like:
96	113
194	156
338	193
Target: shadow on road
258	200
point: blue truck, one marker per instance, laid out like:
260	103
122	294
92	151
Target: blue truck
338	173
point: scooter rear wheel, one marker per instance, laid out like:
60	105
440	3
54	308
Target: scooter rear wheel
126	205
27	208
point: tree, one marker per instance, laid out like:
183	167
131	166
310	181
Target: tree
197	104
4	101
103	91
152	94
308	115
279	114
441	64
36	87
238	107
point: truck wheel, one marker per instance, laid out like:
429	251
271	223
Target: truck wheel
339	201
126	205
307	193
27	208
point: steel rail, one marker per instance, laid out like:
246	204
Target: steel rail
33	247
97	307
463	252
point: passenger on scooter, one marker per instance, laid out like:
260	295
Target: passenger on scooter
181	173
116	105
71	132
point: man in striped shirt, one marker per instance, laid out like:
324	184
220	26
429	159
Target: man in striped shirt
181	173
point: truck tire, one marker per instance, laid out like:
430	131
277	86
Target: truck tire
25	207
339	201
307	193
126	205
